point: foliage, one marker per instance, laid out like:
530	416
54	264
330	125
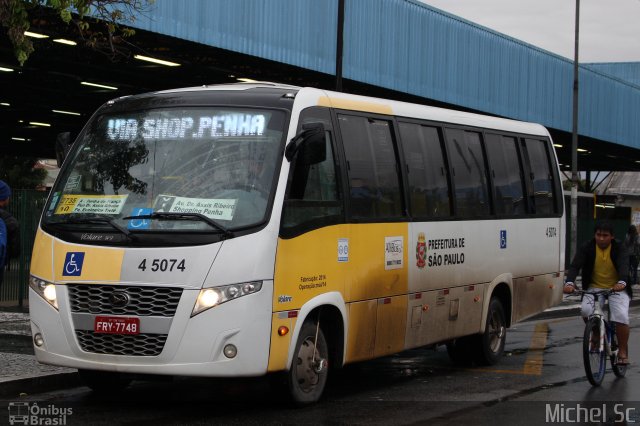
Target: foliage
105	34
19	173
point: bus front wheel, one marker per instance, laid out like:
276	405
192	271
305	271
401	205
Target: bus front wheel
307	376
493	339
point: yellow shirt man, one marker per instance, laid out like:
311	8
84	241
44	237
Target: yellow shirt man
604	273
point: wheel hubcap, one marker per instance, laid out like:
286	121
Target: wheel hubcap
309	365
496	332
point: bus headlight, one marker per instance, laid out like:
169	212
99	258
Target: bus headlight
214	296
45	289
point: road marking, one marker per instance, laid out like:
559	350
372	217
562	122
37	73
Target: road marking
533	362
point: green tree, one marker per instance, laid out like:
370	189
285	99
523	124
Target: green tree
19	173
104	34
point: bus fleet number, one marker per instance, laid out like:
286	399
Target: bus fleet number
163	265
551	232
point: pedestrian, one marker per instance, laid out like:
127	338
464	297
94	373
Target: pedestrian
632	244
10	228
604	264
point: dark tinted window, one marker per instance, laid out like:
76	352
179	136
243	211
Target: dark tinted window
469	174
507	175
373	178
427	173
313	197
541	176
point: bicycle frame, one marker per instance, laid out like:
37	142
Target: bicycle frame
605	324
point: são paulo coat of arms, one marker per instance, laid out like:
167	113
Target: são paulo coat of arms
421	251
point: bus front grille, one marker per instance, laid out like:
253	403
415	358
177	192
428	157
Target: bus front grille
119	344
140	301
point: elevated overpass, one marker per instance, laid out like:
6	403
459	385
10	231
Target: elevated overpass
399	49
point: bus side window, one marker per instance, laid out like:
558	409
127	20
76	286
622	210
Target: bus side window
469	173
427	171
374	184
541	177
312	198
507	175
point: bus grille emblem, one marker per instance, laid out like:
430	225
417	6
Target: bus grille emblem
119	299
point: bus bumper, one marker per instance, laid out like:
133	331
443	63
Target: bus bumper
194	346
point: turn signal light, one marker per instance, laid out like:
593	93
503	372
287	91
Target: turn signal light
282	331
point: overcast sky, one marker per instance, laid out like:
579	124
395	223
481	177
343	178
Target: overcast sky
609	29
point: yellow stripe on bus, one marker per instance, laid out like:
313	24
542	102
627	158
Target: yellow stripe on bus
102	264
355	105
41	262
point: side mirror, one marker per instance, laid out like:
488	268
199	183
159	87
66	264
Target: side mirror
63	145
309	145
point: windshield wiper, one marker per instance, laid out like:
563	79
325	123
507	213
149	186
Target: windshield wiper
184	216
106	220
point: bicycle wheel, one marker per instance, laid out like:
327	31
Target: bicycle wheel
618	370
594	357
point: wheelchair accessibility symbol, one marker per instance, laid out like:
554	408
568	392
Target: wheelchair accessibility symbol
140	223
73	264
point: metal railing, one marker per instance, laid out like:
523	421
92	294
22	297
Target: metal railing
26	206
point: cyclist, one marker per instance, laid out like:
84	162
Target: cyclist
605	264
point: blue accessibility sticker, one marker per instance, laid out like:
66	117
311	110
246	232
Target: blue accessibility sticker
140	223
73	264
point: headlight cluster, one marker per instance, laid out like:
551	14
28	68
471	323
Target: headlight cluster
45	289
214	296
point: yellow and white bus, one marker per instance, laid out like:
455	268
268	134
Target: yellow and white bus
240	230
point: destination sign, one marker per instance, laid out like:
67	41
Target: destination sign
186	127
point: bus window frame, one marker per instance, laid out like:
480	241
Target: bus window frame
391	119
555	185
523	181
488	179
295	231
404	166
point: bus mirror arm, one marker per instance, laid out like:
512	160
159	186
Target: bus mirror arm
310	141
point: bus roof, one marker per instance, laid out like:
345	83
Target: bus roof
309	96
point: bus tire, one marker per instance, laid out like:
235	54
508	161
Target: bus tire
492	341
307	376
104	381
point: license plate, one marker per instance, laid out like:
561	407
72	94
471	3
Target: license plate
116	325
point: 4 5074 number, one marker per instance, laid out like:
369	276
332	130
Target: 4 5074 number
163	265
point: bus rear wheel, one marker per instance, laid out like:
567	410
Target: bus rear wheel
104	381
307	376
492	341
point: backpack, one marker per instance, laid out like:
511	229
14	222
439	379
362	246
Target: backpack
3	243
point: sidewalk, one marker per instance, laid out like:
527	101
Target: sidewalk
22	374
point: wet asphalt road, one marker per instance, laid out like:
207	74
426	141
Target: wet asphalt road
540	381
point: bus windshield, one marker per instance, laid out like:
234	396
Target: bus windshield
188	169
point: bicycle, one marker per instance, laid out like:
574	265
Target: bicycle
600	340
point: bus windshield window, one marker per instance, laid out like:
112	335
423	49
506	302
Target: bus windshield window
219	163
